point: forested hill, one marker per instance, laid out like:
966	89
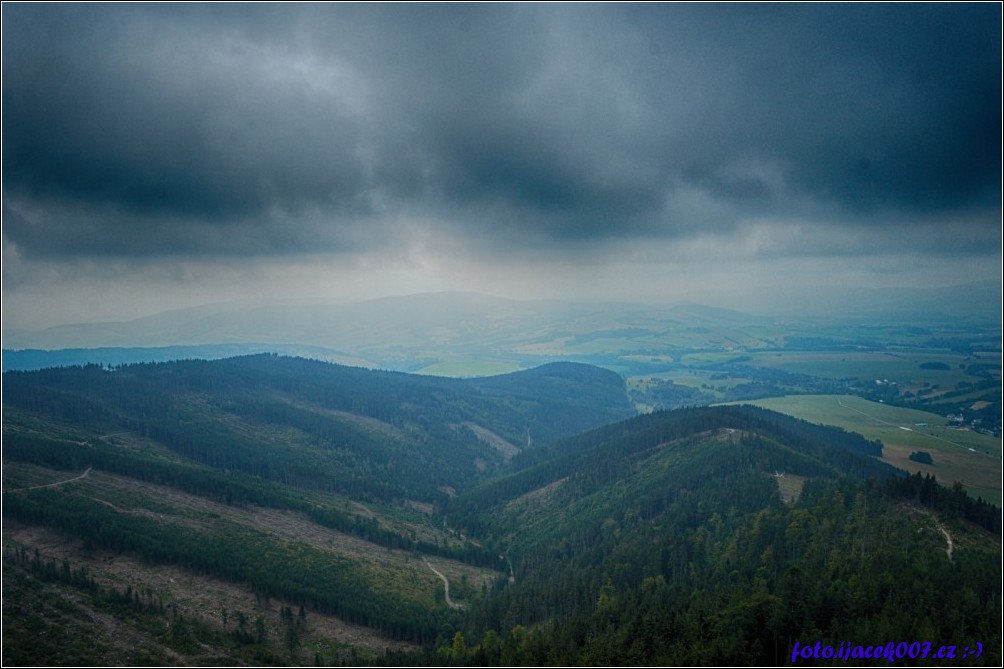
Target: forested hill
320	425
721	536
766	442
179	513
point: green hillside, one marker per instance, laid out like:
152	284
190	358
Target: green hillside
279	483
665	540
277	511
315	425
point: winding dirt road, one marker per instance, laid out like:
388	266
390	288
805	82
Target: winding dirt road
50	485
449	602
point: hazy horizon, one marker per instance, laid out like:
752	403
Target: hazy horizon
835	301
754	157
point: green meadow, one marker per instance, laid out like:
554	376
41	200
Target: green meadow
460	367
902	368
969	457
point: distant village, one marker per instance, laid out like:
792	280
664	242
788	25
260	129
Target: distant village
959	421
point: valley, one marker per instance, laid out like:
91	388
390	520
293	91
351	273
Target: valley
929	357
613	497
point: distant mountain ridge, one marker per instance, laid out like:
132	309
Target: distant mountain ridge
467	319
34	359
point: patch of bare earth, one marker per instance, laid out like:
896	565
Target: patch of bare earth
199	512
790	486
395	570
376	424
105	634
213	601
421	507
495	441
535	499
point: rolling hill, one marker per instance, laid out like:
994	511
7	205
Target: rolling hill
281	511
319	425
277	483
722	536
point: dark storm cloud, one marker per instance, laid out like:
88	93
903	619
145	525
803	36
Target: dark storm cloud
213	129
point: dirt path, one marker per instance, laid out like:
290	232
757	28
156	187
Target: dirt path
868	415
50	485
948	537
446	583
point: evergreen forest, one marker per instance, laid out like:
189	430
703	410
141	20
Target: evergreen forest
272	510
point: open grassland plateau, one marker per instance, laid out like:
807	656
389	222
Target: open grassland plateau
972	458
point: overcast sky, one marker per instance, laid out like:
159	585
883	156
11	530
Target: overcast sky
159	156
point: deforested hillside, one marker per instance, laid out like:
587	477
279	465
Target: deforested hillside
316	425
177	512
277	511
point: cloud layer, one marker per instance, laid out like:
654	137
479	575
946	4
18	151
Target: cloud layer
265	131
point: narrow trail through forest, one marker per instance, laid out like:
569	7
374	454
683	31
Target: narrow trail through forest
948	537
446	582
50	485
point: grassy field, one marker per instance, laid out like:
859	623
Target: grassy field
790	486
462	367
959	455
706	381
902	368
